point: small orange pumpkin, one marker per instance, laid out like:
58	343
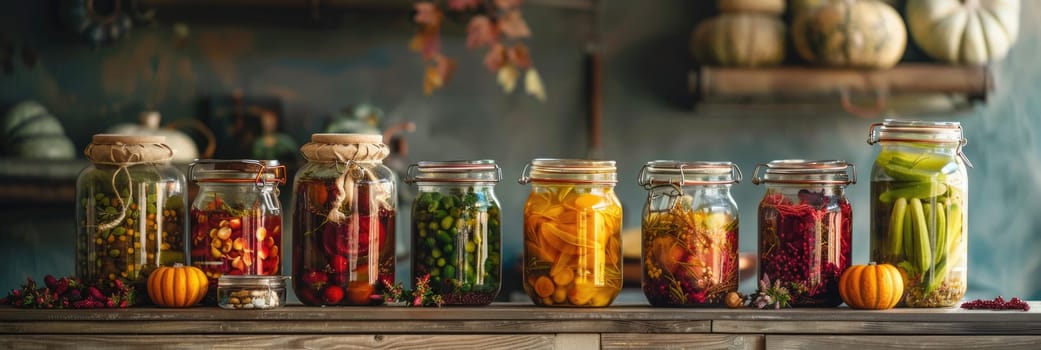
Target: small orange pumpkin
871	286
177	286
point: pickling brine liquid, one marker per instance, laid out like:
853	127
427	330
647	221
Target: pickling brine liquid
572	246
346	262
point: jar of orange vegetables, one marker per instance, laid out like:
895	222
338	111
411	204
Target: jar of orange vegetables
572	233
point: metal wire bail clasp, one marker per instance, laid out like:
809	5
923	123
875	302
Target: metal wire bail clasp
525	175
410	176
873	133
756	178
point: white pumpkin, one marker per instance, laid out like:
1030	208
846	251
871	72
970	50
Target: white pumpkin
964	31
739	39
774	7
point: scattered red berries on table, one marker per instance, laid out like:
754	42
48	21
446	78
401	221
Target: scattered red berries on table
998	303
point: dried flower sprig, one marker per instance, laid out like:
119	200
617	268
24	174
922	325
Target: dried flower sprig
69	293
495	24
420	296
771	295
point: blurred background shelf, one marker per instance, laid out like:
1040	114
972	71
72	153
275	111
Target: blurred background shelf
907	89
343	4
28	181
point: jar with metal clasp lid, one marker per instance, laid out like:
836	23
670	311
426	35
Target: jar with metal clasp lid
236	219
572	233
919	201
689	232
343	221
805	228
456	229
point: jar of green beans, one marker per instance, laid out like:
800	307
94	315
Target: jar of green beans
456	229
919	197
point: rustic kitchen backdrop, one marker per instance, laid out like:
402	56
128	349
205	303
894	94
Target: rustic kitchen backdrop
308	70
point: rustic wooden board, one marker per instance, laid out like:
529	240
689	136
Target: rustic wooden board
519	318
681	341
348	327
861	342
483	342
875	327
525	312
587	341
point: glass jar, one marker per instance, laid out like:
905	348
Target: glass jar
805	231
343	221
456	230
130	210
919	208
572	233
251	292
236	219
689	232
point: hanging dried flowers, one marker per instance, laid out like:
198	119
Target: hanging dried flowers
495	25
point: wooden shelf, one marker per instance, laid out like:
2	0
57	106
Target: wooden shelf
522	325
39	181
912	87
363	5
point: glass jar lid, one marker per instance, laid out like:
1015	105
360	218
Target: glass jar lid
582	171
259	172
672	172
918	131
472	171
252	281
915	131
798	171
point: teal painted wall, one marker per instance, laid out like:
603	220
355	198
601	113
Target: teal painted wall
317	71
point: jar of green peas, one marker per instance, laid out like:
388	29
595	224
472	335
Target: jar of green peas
456	229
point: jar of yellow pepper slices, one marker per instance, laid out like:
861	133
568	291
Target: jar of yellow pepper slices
572	233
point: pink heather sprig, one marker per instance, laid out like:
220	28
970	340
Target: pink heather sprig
767	295
420	296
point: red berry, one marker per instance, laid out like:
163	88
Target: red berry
315	279
50	281
332	295
93	292
307	296
338	263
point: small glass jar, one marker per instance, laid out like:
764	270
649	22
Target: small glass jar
689	232
456	229
919	208
805	228
236	218
572	233
343	221
251	292
130	210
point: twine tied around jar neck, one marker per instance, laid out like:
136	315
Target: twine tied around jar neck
125	151
346	151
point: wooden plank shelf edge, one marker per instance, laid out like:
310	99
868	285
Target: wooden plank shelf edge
805	85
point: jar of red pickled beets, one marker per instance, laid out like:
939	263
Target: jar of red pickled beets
236	219
343	221
805	229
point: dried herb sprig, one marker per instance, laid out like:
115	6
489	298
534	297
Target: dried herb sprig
422	295
771	295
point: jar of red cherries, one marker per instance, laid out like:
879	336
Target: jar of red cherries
236	219
343	221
